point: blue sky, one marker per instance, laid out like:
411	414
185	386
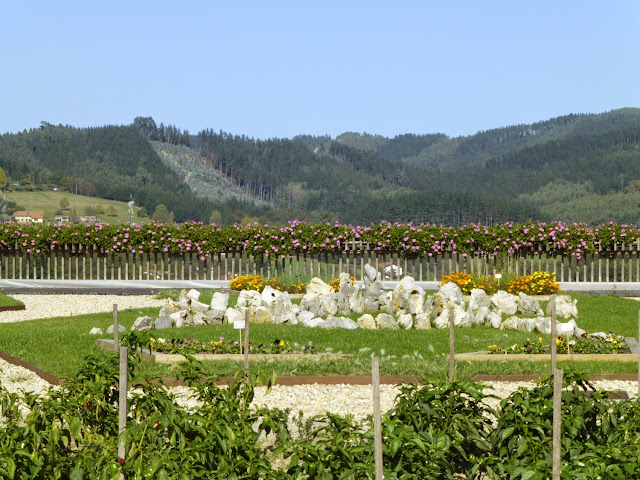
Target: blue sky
281	68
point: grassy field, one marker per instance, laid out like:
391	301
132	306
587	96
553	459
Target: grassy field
49	201
59	345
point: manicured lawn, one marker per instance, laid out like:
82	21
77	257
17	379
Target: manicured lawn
60	345
7	301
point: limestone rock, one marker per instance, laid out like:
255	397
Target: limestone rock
479	299
481	315
504	303
194	295
528	305
565	306
260	315
340	322
305	316
356	299
249	298
96	331
121	329
367	322
449	294
442	320
198	319
198	306
423	321
317	288
232	315
408	296
405	321
494	319
162	323
142	324
219	302
329	304
386	321
543	325
314	322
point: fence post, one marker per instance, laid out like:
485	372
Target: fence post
553	340
452	344
116	328
246	342
557	422
122	402
377	420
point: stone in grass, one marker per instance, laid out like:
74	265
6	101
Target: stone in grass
194	295
528	305
220	302
340	322
142	324
405	321
305	316
367	322
314	322
232	315
121	329
199	306
198	319
162	323
423	321
494	319
386	321
96	331
214	317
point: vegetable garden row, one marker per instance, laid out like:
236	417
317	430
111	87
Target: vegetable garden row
434	431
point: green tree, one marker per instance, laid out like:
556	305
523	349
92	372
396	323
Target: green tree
161	214
142	212
99	208
3	179
216	217
64	203
111	211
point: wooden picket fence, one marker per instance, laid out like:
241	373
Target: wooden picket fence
80	262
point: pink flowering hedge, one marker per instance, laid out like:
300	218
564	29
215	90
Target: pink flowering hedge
297	237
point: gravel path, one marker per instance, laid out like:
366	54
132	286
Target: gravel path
312	399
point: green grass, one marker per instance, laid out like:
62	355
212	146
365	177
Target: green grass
7	301
60	345
49	202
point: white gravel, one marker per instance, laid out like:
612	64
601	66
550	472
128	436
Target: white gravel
312	399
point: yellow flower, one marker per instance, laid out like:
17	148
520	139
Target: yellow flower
540	339
281	343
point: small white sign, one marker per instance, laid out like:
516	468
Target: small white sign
498	275
238	324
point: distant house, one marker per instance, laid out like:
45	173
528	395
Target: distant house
89	219
62	218
24	216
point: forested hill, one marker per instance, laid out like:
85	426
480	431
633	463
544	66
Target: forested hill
571	168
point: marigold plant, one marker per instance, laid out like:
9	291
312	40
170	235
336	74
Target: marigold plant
538	283
258	282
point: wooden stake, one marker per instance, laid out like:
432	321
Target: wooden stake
377	420
116	329
553	340
246	341
122	402
452	345
557	422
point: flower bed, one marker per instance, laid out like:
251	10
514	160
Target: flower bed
538	283
585	344
221	346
